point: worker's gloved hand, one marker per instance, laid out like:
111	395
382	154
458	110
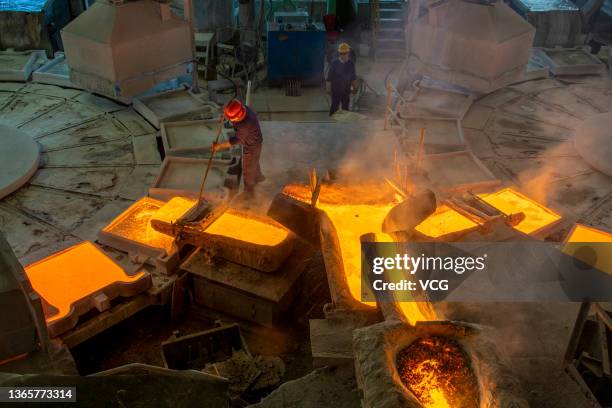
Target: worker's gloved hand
215	147
353	90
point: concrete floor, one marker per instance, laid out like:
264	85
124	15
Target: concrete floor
99	157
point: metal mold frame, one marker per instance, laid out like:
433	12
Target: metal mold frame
459	145
43	75
178	151
411	107
597	66
24	73
219	195
79	307
142	105
167	262
488	179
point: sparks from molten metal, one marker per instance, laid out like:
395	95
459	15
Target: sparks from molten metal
438	372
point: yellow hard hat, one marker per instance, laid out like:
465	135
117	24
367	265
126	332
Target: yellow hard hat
344	47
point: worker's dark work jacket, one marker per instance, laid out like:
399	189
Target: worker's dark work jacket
248	135
341	75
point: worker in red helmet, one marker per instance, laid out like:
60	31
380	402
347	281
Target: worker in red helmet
248	135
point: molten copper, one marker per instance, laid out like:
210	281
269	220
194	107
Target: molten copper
355	210
439	373
445	221
135	225
583	233
243	228
510	201
362	193
71	275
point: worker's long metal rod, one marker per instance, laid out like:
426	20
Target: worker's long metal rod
210	159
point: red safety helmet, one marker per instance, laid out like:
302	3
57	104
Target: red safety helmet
234	111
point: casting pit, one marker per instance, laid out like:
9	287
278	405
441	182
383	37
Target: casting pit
438	372
432	365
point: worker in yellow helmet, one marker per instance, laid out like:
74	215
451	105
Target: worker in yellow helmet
341	78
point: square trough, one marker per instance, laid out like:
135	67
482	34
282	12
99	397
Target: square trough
19	65
131	232
74	281
169	105
182	176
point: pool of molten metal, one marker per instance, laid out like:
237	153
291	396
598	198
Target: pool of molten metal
439	373
73	274
360	209
510	201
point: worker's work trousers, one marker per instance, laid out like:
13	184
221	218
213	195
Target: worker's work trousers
250	167
338	98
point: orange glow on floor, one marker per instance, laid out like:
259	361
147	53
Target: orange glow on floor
510	201
73	274
134	224
234	225
445	221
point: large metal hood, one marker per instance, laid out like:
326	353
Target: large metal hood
473	44
123	49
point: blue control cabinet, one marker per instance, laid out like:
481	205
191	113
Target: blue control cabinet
296	51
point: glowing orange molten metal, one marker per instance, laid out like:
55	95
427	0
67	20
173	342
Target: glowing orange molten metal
134	224
582	233
73	274
596	241
445	221
351	221
510	201
255	231
438	372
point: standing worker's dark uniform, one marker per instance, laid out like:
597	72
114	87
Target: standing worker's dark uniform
248	135
341	75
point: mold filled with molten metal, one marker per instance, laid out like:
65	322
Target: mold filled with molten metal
134	224
591	246
438	372
510	201
71	275
231	224
583	233
445	221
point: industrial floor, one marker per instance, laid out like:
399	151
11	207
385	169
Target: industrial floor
98	157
